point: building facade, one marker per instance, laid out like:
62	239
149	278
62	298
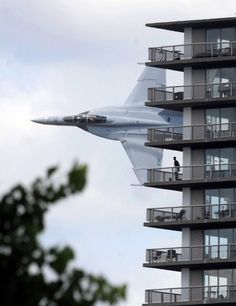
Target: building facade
207	178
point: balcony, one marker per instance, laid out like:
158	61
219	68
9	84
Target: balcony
194	216
197	55
199	176
199	295
195	96
194	136
196	257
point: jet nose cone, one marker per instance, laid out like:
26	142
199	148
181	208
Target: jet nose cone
41	120
54	120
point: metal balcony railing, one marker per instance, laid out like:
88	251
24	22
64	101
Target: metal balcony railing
192	92
201	294
191	213
192	132
186	173
191	253
194	50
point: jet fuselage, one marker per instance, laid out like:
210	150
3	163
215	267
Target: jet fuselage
115	122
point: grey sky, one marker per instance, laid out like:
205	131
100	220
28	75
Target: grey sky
65	57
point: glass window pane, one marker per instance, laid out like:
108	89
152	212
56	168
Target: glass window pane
210	277
226	195
226	116
228	34
226	200
211	283
228	75
219	202
212	196
219	161
225	278
213	76
210	155
226	156
213	116
212	201
217	282
226	236
213	38
211	242
233	276
220	121
219	81
213	35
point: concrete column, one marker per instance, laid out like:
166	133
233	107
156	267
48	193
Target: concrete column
188	81
187	160
196	280
187	42
187	111
186	241
185	282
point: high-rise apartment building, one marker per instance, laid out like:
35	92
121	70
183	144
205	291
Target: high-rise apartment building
207	177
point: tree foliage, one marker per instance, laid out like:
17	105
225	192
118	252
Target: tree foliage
25	263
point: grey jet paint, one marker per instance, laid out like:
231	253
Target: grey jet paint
129	123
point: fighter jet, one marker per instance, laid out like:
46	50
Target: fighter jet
128	123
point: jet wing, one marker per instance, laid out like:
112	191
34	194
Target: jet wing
150	77
141	157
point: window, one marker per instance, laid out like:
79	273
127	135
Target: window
221	82
217	281
220	160
213	35
217	243
221	122
220	202
220	37
221	75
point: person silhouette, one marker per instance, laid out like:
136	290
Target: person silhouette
176	168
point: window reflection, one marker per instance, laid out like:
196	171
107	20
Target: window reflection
227	34
221	75
222	80
217	283
220	162
220	37
220	202
221	122
220	243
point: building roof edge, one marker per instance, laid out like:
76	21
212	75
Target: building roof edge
179	26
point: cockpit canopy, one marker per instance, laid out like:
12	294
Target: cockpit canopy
85	118
90	119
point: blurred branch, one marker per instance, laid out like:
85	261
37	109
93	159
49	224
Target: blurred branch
23	260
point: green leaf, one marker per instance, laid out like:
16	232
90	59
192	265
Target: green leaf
51	171
61	259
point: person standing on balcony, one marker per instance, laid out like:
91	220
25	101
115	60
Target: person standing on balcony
176	168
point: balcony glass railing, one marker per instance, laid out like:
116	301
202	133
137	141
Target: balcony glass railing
192	132
188	51
191	213
192	92
192	253
201	294
198	172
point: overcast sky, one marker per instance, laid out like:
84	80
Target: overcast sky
60	57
